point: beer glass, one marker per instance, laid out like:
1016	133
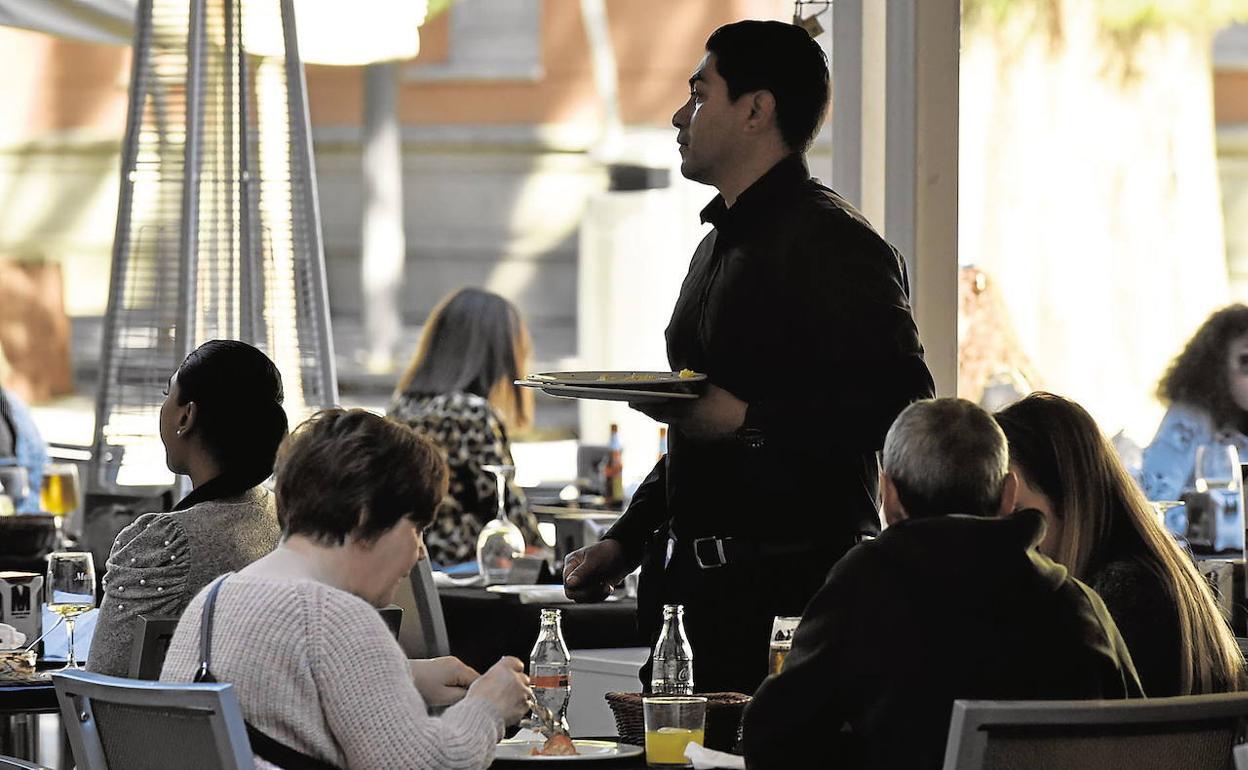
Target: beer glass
60	493
782	630
71	590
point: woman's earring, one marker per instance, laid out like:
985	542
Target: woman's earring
178	432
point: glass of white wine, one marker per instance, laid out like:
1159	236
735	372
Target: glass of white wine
71	590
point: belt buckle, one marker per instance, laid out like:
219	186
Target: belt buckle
717	552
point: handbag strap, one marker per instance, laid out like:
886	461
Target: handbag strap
268	749
205	633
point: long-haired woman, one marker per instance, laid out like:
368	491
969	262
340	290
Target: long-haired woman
1206	390
458	390
1102	529
221	423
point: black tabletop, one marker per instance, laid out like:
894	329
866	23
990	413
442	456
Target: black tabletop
484	626
37	697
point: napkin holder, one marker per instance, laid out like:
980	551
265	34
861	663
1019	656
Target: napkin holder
530	571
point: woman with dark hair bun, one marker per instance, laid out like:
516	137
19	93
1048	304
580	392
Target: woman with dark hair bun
221	423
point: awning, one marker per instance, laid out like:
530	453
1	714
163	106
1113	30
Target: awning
330	31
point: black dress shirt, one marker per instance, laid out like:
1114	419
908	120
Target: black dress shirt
795	305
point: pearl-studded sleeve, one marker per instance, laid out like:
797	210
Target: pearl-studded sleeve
146	575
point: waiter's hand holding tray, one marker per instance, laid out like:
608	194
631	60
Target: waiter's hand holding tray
639	387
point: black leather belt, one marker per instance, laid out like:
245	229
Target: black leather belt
712	552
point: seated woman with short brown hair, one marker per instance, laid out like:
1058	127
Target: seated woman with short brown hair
316	671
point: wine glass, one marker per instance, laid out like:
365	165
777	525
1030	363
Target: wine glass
500	541
71	590
1217	475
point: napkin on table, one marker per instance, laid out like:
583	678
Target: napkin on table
703	758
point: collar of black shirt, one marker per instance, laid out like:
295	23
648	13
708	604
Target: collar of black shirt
765	191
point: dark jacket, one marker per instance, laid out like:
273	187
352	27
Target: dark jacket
1145	613
933	610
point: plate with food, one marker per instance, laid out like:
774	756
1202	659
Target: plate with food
686	379
561	748
608	394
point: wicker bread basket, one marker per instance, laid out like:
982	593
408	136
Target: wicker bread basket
723	718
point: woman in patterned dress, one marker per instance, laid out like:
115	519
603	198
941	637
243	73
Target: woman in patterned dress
458	391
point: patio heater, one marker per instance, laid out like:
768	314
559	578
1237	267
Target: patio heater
218	226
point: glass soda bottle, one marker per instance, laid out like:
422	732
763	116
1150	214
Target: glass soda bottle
549	673
613	473
673	657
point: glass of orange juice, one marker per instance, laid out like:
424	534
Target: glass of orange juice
672	723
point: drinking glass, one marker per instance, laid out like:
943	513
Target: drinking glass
782	630
71	590
500	541
672	723
1217	475
60	493
15	483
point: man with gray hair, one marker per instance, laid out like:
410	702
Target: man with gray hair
951	601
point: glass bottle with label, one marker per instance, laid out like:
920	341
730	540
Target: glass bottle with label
613	472
549	669
673	657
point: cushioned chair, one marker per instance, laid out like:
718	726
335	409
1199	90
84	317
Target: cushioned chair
12	763
425	636
1192	732
126	724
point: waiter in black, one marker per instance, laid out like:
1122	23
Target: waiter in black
798	313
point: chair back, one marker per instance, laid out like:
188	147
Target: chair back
1192	732
126	724
152	637
392	616
13	763
425	637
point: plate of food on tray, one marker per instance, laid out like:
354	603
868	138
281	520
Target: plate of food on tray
638	387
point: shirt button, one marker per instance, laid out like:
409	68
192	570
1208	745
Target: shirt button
166	543
159	589
172	557
120	589
142	581
133	559
121	606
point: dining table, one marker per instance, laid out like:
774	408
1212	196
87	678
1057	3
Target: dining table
483	626
20	703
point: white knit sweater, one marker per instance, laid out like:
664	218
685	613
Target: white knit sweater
317	669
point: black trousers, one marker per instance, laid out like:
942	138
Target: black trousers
728	609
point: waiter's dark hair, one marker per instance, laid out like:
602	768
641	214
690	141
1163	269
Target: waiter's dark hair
946	456
348	473
238	393
780	58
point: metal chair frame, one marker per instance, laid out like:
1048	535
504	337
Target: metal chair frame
427	637
13	763
77	691
972	721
